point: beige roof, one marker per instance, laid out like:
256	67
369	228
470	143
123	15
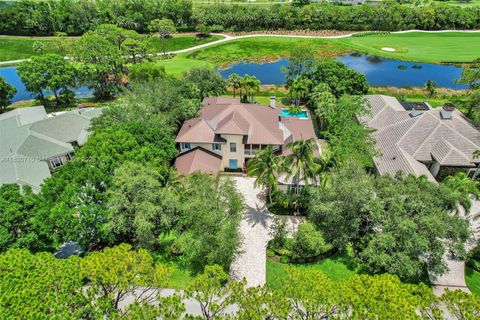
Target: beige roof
198	159
260	124
407	141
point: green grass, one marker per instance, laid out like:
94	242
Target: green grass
179	42
419	46
472	3
336	268
21	48
16	48
472	278
264	49
180	64
180	278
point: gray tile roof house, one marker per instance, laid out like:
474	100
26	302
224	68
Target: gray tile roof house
33	144
415	138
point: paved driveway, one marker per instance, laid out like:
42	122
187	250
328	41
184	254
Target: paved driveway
254	228
454	278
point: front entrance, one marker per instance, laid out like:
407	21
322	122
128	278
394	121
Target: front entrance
233	164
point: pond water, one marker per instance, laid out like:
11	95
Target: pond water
379	71
11	76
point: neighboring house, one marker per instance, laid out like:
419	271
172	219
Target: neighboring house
414	138
227	133
33	144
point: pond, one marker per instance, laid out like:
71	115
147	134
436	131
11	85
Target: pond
11	76
379	71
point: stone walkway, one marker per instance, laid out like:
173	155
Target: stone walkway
255	228
454	278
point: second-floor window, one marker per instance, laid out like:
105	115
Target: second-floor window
233	147
216	147
185	146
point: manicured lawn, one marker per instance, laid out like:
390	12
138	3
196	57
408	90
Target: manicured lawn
472	3
16	48
472	278
20	48
180	64
179	42
264	49
337	268
420	46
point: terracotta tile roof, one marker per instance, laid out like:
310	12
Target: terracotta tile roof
198	159
259	123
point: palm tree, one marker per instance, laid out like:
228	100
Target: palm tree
234	81
301	162
300	89
251	85
431	87
462	188
264	167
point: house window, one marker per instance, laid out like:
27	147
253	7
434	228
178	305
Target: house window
216	147
57	162
185	146
233	164
233	147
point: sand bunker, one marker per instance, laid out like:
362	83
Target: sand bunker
388	49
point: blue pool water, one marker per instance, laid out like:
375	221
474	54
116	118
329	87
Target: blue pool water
378	71
301	115
11	76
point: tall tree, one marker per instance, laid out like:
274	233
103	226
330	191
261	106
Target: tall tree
141	205
101	62
462	188
300	163
299	89
234	81
264	166
164	28
471	75
118	273
431	87
49	72
207	80
251	85
7	91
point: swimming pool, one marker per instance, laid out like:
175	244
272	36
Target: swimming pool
301	115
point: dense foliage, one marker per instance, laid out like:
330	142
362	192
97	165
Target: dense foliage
49	73
120	187
75	17
120	283
393	225
45	17
7	91
388	16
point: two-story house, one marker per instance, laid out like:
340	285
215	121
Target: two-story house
227	133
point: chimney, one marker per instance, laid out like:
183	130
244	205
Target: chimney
447	109
273	102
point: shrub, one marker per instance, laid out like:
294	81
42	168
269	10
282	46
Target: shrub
279	233
308	243
474	258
